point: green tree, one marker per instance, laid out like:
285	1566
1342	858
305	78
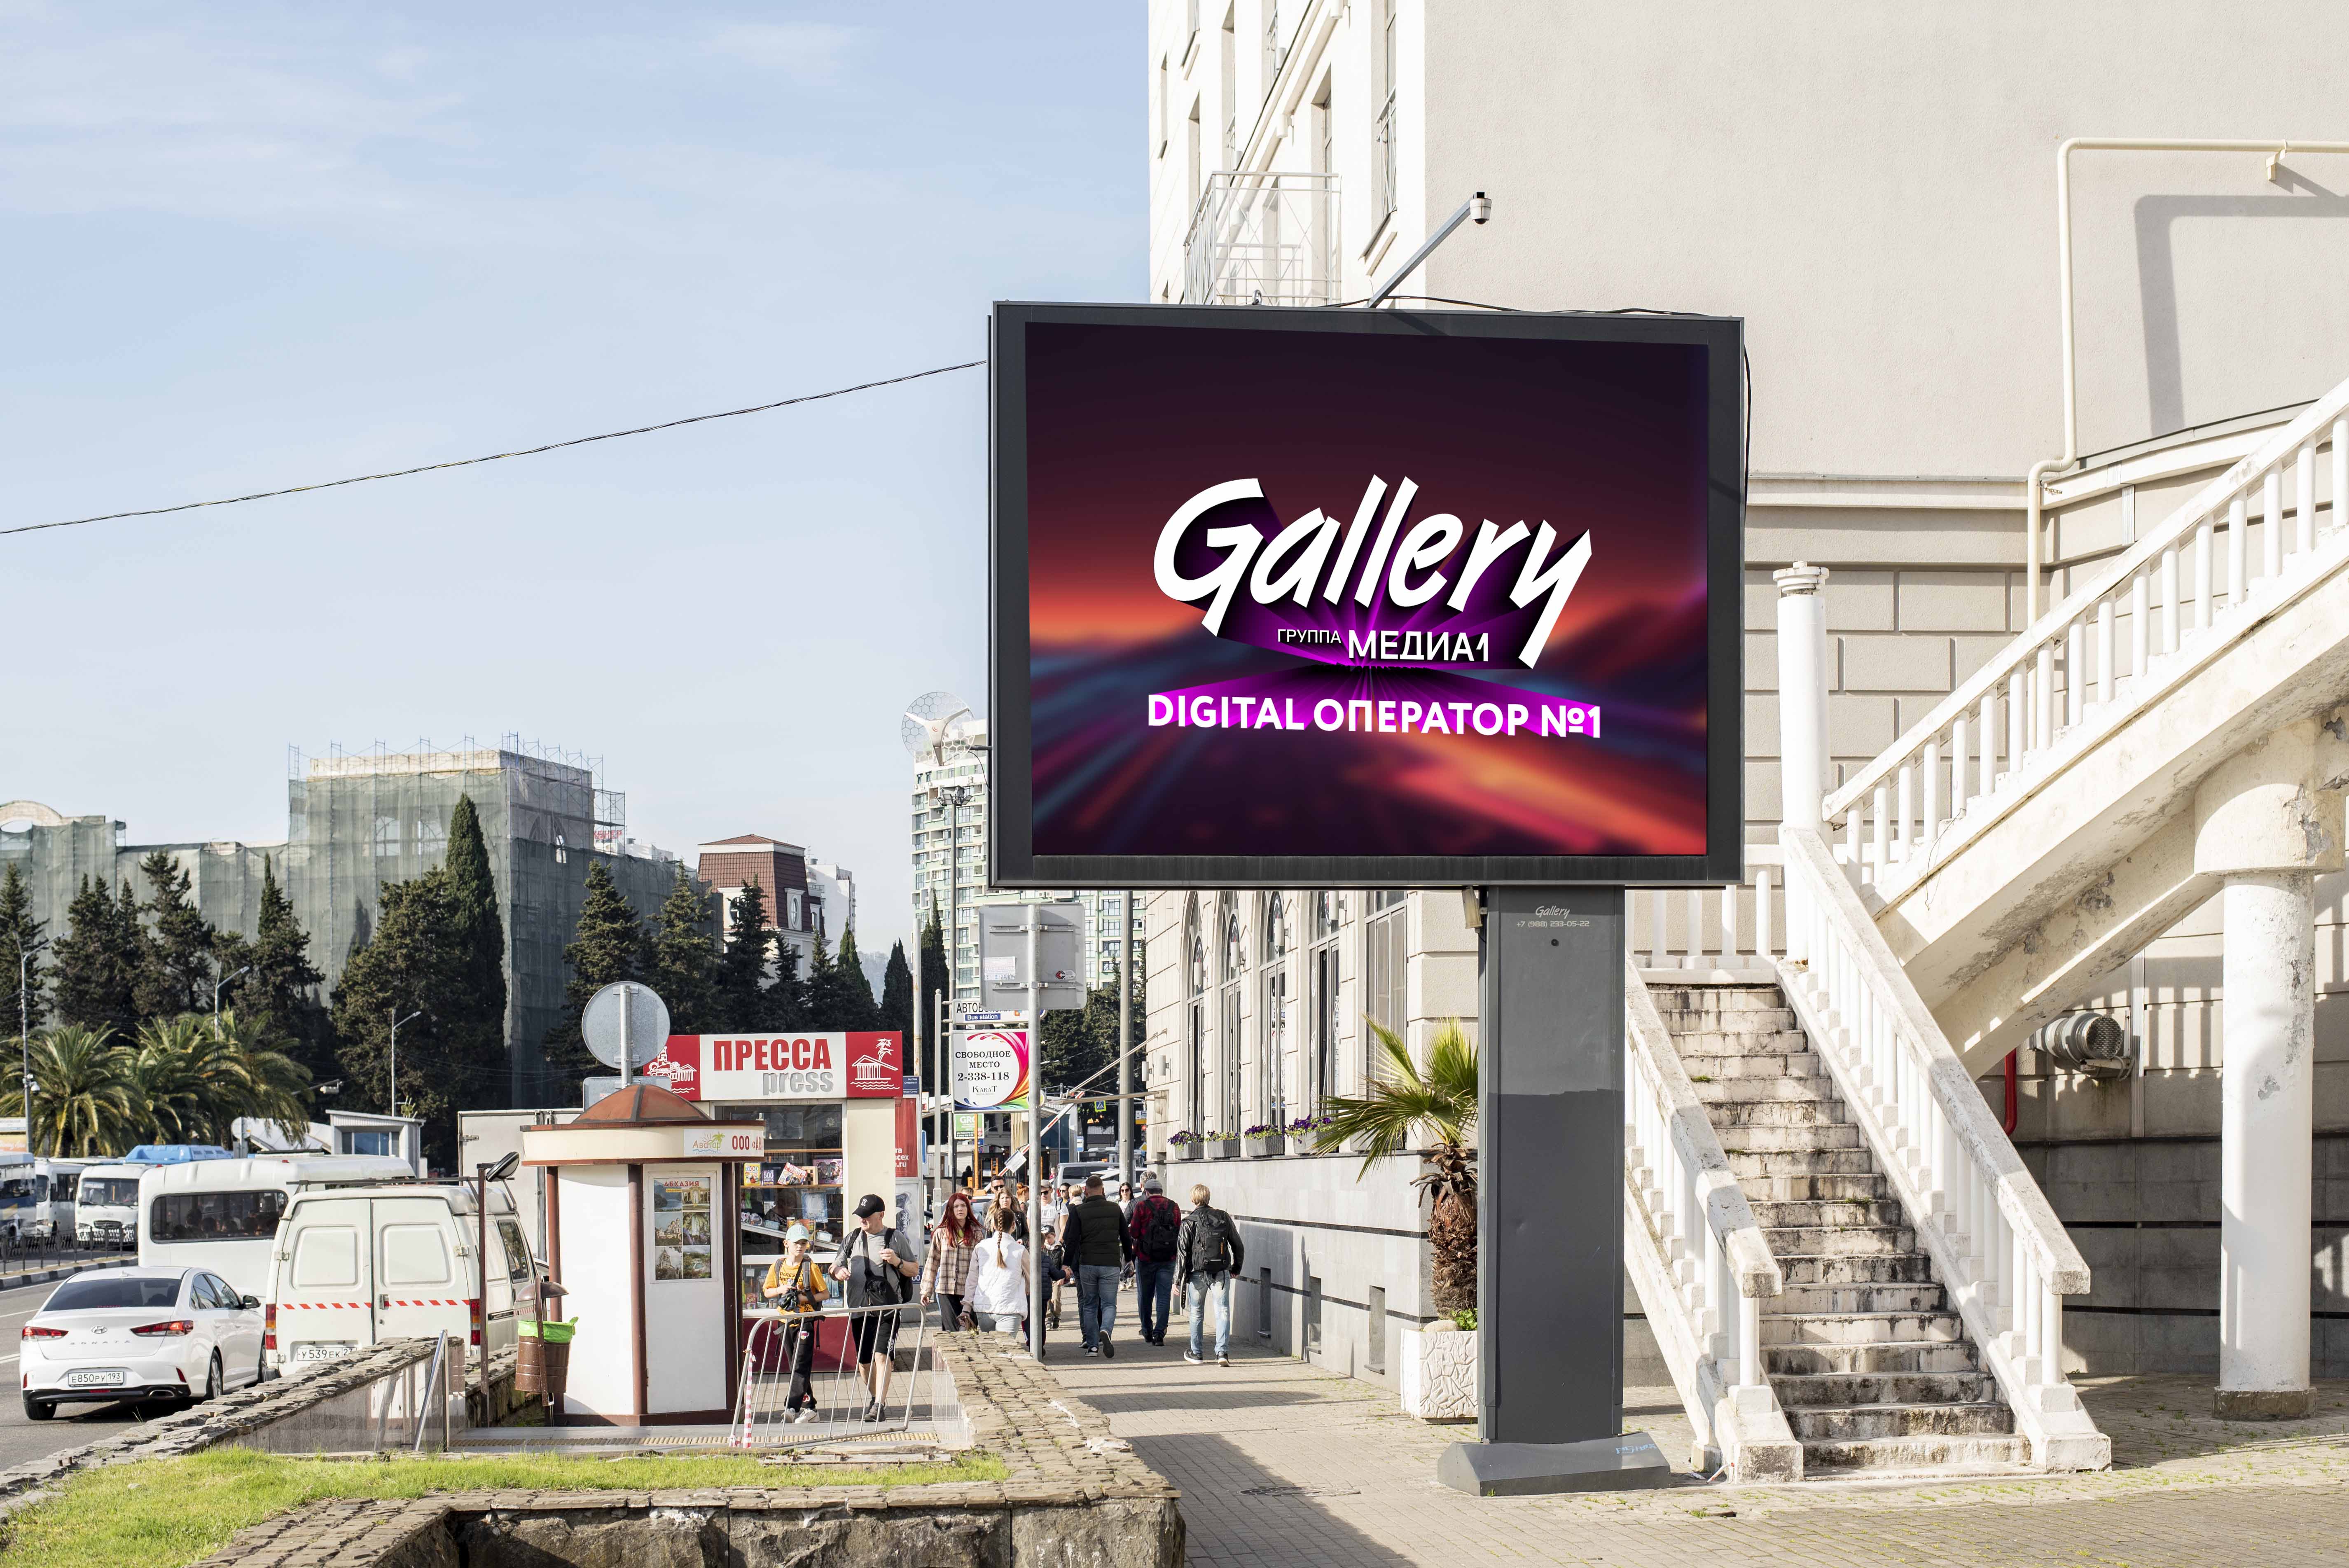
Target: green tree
97	961
412	964
1399	1104
83	1102
176	972
279	998
191	1083
609	945
685	957
739	999
1079	1042
896	1011
784	1003
476	1021
933	985
18	932
838	995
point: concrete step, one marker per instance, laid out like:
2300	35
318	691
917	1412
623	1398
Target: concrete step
1682	1020
1762	1065
1818	1089
1937	1455
1803	1163
1815	1388
1874	1361
1775	1112
1821	1137
1859	1327
1837	1241
1799	1188
1741	1042
1861	1423
1827	1212
1895	1268
1670	999
1840	1298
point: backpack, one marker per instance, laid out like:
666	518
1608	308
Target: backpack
1160	1229
1212	1245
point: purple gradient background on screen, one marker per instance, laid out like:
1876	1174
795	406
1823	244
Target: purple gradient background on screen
1125	423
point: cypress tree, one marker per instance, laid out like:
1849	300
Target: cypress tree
608	946
176	972
96	967
739	997
411	963
898	994
935	985
841	998
786	1003
18	932
684	958
280	995
478	940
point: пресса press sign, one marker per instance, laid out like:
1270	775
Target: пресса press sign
1291	598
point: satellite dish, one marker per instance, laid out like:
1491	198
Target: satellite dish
625	1012
936	723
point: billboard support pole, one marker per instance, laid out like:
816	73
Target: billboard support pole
1125	1042
1550	1258
1035	1121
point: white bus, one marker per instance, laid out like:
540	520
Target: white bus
106	1205
36	1197
222	1214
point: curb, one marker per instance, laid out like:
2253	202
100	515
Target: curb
47	1277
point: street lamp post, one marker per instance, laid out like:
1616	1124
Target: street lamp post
24	1033
396	1021
217	987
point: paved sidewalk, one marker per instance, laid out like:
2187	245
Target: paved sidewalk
1283	1463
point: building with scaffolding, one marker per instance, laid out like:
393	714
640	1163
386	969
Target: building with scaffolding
356	821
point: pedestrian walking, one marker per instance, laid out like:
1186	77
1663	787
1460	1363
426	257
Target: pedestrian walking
1051	1213
998	1277
949	1263
1094	1241
877	1264
796	1285
1207	1252
1155	1225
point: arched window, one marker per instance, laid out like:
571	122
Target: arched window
1318	1060
1195	975
1272	1065
1234	934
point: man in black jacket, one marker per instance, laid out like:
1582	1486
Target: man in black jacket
1207	1254
1093	1242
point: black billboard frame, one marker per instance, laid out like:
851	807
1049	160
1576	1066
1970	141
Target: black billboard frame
1012	863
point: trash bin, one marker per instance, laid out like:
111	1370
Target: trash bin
543	1365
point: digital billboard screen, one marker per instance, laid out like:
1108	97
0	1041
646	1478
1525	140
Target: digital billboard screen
1336	597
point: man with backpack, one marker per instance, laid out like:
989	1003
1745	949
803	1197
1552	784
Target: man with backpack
1155	1224
1207	1254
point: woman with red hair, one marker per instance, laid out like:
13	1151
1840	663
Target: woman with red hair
945	1270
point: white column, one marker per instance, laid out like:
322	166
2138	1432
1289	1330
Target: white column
1802	692
2264	826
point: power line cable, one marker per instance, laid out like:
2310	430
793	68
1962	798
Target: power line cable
498	457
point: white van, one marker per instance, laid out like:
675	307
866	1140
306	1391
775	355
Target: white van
355	1265
222	1214
106	1205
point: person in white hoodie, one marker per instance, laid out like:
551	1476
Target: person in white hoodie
996	1287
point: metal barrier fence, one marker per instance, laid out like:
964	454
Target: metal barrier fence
803	1381
415	1406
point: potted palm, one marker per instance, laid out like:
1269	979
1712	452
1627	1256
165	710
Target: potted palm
1404	1104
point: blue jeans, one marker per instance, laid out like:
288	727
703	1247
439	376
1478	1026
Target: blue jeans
1220	1281
1096	1301
1154	1289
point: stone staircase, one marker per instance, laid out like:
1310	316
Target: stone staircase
1873	1370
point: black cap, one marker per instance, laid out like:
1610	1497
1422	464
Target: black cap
869	1205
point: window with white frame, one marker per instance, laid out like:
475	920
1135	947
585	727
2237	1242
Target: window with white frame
1385	149
1273	1061
1321	1000
1386	966
1234	940
1194	989
1227	54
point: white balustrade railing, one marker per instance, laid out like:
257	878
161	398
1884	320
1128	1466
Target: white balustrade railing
1697	1255
1996	1245
2241	539
1730	928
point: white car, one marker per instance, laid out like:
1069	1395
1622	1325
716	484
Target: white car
154	1335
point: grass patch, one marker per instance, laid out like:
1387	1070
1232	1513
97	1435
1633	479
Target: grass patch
166	1513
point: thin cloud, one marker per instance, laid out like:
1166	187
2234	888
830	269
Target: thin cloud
810	53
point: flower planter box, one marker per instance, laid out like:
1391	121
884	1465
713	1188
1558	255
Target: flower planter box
1439	1374
1275	1144
1223	1147
1183	1150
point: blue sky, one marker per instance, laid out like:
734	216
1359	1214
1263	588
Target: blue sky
249	246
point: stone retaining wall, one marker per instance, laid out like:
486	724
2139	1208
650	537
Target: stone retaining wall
1076	1497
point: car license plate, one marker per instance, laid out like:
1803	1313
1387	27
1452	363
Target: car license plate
321	1352
96	1377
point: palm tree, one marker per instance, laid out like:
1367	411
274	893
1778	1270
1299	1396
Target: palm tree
276	1088
1390	1114
82	1100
